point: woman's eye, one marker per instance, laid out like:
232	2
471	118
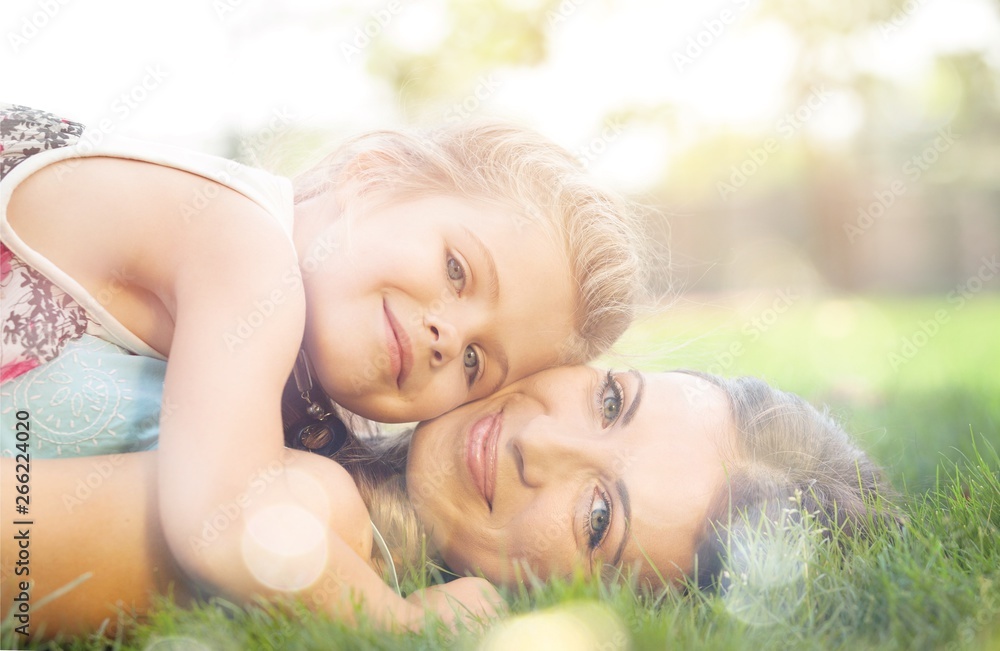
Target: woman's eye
600	520
456	273
612	405
471	362
611	400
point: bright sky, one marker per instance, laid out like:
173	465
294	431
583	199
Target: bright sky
191	69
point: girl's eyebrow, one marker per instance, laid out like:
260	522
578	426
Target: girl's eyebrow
492	278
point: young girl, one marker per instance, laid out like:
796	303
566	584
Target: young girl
415	272
403	243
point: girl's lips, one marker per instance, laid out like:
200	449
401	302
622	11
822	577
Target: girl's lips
481	454
398	345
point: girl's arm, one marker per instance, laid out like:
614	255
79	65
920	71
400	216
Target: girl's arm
224	284
241	514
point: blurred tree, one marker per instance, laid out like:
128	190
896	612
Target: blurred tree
814	190
481	37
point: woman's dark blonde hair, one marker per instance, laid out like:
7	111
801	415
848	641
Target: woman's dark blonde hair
378	466
789	461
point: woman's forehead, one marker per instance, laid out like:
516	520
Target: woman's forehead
674	468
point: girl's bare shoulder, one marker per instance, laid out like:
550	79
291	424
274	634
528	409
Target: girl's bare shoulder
102	219
106	199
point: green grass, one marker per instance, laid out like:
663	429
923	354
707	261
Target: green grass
933	421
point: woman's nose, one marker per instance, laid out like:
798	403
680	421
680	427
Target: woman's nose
547	450
445	342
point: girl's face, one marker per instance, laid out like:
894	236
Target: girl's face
417	306
571	467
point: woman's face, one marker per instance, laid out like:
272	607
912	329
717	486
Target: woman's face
571	467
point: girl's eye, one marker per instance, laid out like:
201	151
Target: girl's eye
610	400
456	273
471	362
599	521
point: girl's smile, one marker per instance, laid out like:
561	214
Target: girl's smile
398	345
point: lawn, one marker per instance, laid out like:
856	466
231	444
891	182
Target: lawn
916	380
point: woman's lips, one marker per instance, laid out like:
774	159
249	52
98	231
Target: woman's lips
400	353
481	454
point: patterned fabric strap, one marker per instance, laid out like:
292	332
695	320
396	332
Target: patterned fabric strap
26	131
37	318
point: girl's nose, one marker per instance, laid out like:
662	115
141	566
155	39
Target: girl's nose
446	344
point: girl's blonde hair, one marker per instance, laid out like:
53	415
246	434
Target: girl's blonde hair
541	182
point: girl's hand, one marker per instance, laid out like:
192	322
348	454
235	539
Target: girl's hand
469	600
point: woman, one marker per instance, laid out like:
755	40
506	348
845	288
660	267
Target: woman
569	469
574	468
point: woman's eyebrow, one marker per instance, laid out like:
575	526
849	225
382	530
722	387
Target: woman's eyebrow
640	386
623	497
626	505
